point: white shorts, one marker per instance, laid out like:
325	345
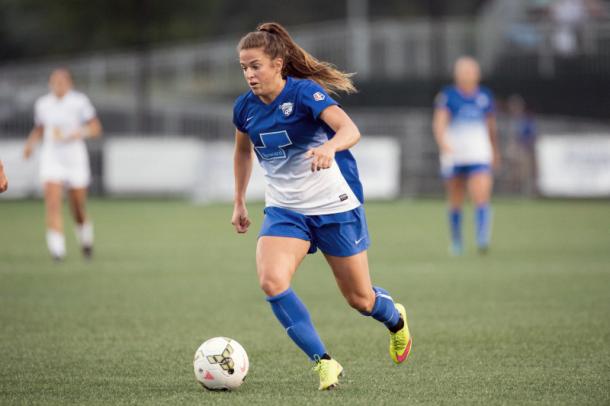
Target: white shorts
75	175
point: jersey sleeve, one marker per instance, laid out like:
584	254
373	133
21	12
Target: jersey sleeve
441	101
87	111
238	114
315	98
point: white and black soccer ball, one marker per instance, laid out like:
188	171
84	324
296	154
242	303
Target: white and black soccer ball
221	364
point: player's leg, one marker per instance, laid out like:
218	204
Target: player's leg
456	190
84	228
56	241
353	279
480	185
277	259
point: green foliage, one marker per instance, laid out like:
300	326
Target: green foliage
38	28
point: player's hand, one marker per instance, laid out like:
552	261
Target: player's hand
240	219
58	134
323	157
446	161
445	149
3	180
27	151
72	136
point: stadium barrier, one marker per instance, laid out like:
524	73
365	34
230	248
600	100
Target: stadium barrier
574	165
134	166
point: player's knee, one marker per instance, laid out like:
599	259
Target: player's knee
271	284
362	303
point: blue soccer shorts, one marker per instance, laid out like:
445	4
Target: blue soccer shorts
338	234
464	170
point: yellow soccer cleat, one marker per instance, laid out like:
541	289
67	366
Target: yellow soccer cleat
329	371
400	342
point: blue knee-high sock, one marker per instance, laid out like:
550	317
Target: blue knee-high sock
293	315
455	224
483	225
384	309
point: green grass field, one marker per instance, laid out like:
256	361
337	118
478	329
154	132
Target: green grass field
529	323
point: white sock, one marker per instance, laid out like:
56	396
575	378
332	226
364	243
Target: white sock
84	234
56	243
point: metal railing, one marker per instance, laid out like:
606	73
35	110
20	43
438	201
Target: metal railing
393	50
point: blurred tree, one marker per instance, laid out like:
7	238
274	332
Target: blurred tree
39	28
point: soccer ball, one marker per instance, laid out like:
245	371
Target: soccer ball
220	364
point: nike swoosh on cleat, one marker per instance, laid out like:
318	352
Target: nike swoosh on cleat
405	354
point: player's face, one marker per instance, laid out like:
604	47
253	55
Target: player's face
467	74
60	83
262	73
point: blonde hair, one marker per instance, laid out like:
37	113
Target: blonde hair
277	43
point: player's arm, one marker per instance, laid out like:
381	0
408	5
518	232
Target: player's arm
346	136
3	180
242	168
33	139
492	130
91	129
440	122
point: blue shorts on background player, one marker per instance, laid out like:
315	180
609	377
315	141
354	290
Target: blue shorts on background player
301	138
464	127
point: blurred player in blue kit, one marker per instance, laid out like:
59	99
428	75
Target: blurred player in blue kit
464	127
314	198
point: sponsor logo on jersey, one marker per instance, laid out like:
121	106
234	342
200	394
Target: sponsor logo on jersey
287	108
343	197
318	96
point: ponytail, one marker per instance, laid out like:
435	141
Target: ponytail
276	42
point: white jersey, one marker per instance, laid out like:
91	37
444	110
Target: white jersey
468	133
63	161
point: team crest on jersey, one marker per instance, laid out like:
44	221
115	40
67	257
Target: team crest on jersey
318	96
287	108
482	101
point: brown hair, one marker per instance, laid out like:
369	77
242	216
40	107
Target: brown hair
277	43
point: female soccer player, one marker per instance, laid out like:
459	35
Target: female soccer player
314	197
64	118
464	126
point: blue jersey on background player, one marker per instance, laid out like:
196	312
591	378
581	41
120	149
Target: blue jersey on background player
464	126
467	132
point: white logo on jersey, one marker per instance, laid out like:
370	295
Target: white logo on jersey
287	108
482	101
249	118
318	96
358	241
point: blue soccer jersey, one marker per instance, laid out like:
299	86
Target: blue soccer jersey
467	133
282	132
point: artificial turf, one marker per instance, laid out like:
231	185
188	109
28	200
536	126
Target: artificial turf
527	324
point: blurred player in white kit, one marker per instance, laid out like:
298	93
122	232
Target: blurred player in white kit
64	119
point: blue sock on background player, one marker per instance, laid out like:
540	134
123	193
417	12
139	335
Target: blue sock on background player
455	224
384	309
483	225
293	315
